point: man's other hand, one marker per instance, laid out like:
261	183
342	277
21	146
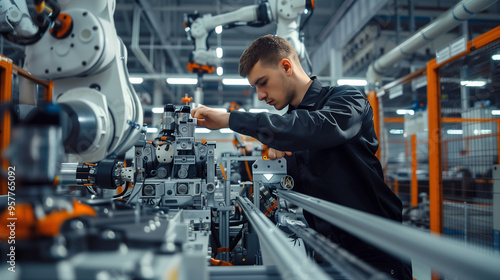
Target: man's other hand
275	154
210	118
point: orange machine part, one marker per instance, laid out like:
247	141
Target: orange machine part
195	67
219	262
64	29
27	226
265	152
186	99
40	7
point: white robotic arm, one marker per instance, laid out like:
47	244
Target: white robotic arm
87	62
16	24
14	17
286	14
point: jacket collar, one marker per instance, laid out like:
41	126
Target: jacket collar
311	96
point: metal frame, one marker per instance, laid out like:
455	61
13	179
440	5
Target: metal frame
435	120
290	263
446	256
7	69
224	209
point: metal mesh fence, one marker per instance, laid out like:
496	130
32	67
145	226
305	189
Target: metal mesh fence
404	118
470	101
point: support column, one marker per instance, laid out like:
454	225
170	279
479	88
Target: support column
435	156
336	66
373	99
5	97
414	165
496	208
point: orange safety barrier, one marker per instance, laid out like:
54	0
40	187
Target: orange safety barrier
7	69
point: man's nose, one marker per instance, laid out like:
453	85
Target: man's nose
261	95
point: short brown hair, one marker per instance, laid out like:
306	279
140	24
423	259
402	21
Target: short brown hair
269	49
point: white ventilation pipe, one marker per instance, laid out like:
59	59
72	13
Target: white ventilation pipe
447	21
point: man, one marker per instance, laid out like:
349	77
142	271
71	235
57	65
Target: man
328	137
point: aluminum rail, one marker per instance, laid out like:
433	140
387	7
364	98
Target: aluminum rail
348	264
450	19
443	255
289	262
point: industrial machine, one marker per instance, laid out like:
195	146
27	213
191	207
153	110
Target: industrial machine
76	210
286	15
86	60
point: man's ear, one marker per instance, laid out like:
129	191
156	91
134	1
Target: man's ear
287	66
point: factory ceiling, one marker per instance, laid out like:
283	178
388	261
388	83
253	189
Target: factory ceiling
158	47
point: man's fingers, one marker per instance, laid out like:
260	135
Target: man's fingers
201	122
196	112
271	154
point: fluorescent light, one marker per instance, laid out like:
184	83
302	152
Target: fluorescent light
135	80
396	131
219	52
152	130
405	111
351	82
157	110
482	131
473	83
182	81
220	71
201	130
455	131
495	57
241	109
495	112
218	29
235	82
225	130
306	11
258	110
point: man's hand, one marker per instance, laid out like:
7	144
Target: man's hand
275	154
210	118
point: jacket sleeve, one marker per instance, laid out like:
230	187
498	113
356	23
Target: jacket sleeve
338	121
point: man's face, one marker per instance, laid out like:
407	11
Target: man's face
272	85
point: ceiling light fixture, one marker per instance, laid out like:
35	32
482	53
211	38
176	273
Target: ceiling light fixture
396	131
182	81
219	52
235	82
495	57
473	83
405	111
220	71
136	80
352	82
218	29
455	131
157	110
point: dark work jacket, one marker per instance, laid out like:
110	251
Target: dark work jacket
333	141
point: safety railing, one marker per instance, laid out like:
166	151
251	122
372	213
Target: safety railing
441	254
7	70
451	153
